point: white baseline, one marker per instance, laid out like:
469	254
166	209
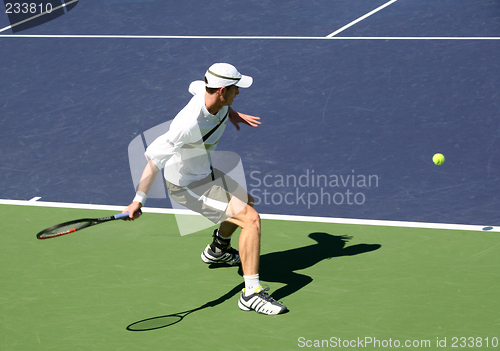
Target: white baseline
97	36
383	223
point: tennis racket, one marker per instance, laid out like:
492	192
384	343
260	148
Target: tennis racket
73	226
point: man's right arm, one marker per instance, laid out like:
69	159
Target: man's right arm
147	179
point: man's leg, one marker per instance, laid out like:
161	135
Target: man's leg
253	297
247	218
222	236
220	250
226	229
238	214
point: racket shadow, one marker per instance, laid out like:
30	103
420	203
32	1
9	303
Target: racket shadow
171	319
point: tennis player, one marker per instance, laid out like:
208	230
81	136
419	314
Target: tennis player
184	154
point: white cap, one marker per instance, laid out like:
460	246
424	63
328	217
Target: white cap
223	75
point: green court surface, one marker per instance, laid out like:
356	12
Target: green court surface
345	285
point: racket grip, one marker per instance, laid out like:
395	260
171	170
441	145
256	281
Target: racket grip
124	215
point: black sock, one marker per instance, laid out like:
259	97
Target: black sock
219	244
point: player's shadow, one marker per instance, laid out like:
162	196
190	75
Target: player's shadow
281	267
277	267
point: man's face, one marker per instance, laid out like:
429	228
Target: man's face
229	94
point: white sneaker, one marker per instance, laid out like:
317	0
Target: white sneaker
261	302
229	256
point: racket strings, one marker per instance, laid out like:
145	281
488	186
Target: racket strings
64	229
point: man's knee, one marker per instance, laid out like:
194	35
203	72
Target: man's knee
251	217
253	214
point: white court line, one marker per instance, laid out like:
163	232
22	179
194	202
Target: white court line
36	16
328	37
85	36
263	216
361	18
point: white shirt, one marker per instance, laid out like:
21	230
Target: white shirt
181	150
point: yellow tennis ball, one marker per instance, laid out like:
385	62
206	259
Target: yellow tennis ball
438	159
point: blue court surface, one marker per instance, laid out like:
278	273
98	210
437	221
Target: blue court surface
355	98
353	106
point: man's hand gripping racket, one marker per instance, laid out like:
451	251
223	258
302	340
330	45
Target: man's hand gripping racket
135	209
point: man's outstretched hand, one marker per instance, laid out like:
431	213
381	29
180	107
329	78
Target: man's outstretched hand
236	118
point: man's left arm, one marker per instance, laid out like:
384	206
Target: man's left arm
237	117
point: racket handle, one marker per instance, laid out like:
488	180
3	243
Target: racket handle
124	215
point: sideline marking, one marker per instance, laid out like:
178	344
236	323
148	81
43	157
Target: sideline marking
361	18
86	36
373	222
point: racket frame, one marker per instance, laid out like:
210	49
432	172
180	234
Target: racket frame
89	221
